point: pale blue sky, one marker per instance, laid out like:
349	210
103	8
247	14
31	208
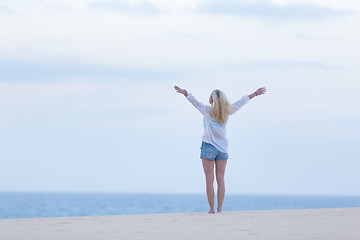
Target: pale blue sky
87	100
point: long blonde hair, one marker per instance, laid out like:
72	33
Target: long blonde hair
221	108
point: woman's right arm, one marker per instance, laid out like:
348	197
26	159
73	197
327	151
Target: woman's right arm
182	91
201	107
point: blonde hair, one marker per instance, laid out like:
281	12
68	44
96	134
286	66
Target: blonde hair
221	108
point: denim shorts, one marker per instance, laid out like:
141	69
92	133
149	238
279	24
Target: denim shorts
208	151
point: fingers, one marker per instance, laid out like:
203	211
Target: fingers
262	90
179	90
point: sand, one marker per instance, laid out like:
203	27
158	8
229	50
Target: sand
335	223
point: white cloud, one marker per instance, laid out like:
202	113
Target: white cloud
265	10
352	5
5	10
145	8
46	91
53	70
179	37
75	81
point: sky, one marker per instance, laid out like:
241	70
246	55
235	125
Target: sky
87	101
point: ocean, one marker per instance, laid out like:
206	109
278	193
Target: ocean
42	205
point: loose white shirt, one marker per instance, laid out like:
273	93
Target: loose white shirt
214	132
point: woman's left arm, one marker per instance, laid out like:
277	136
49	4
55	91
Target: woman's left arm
258	92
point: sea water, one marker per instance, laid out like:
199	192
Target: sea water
40	205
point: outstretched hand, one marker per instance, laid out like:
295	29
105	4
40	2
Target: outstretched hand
258	92
261	91
182	91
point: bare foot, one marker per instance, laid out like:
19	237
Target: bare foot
219	211
212	211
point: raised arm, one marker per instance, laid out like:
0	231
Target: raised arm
182	91
201	107
258	92
244	100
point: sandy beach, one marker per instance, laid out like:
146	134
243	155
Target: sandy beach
336	223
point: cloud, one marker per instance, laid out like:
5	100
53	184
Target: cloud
21	7
143	8
44	70
274	65
266	10
15	70
5	10
58	8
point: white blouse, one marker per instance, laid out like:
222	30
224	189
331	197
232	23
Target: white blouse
214	132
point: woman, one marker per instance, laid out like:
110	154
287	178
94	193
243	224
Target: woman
214	142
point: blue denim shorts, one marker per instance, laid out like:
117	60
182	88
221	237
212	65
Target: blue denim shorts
208	151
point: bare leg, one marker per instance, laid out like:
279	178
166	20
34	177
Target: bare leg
209	175
220	173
